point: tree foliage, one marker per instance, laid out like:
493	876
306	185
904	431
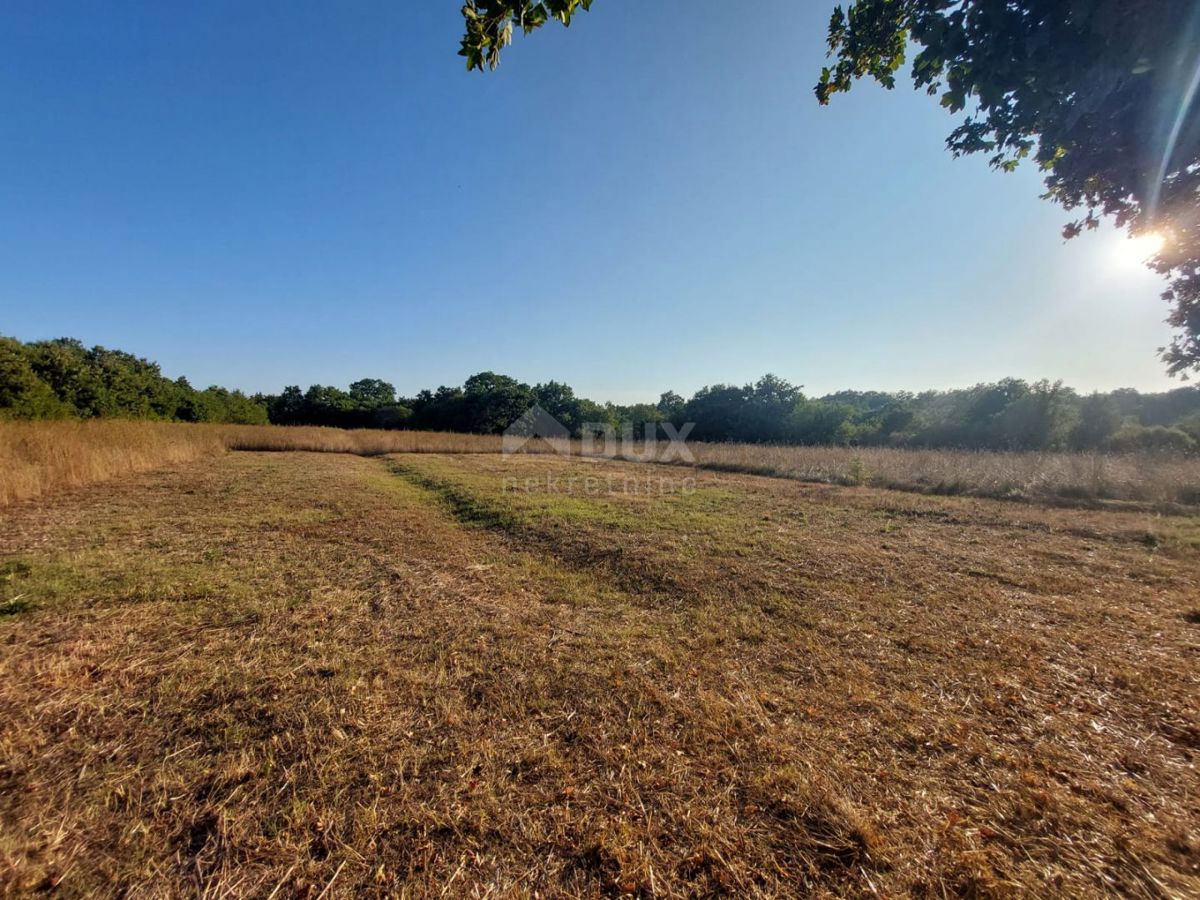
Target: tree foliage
1099	93
1011	414
490	24
61	379
369	403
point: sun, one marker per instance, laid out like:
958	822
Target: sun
1136	250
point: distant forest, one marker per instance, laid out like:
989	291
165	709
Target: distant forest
63	379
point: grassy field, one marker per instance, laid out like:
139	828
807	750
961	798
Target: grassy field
325	674
1152	480
41	457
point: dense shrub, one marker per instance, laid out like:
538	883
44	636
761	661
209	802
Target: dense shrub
1156	437
62	379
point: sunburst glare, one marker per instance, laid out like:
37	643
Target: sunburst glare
1138	249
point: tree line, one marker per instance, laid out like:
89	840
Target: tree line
1010	414
63	379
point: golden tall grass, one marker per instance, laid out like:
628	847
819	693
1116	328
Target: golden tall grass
362	441
1152	478
36	457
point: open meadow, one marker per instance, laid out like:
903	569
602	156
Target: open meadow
463	674
39	457
640	469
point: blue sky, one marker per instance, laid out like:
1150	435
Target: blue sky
286	191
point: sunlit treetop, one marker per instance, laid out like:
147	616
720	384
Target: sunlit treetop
1099	93
490	24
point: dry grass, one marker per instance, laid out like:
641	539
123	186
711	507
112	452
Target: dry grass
362	441
39	457
1148	478
42	456
327	675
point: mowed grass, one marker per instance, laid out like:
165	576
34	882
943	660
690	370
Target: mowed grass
307	674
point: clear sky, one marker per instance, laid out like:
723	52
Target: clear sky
288	191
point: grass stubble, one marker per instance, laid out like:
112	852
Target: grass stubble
306	674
